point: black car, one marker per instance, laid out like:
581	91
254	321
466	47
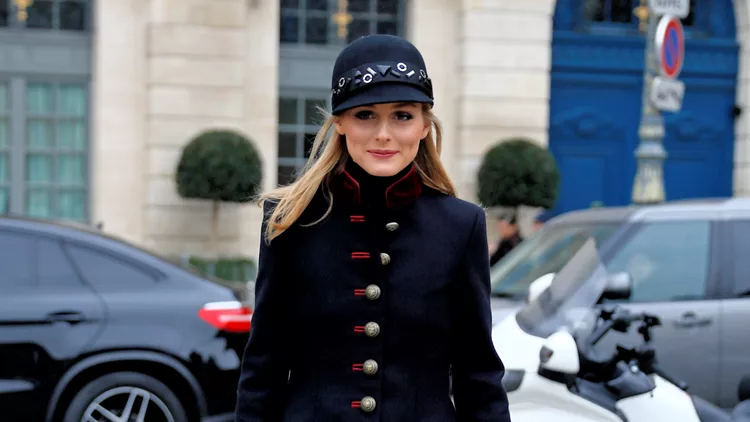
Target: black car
95	329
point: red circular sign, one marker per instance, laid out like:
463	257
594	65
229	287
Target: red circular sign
670	43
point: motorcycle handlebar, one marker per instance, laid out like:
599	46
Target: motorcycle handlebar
621	320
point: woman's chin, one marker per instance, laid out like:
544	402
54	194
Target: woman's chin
384	169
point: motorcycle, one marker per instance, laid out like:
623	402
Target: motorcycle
554	370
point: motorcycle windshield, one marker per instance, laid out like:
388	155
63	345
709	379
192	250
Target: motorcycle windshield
568	304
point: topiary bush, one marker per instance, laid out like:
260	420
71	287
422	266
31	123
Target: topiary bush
518	172
219	166
230	269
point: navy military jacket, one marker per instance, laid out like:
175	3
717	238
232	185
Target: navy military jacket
363	316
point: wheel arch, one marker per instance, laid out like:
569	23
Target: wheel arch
90	363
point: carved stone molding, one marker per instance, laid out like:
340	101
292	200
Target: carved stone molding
585	123
688	127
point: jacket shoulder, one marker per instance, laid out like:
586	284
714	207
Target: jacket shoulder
269	206
456	209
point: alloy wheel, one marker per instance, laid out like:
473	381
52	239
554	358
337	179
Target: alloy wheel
127	404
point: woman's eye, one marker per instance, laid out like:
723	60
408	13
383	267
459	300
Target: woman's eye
402	115
364	115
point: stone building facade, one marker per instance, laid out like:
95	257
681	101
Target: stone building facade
157	72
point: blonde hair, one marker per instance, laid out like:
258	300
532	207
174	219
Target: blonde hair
293	199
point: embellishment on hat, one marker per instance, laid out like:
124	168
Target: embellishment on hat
366	75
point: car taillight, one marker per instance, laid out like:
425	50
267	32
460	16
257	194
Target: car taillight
231	316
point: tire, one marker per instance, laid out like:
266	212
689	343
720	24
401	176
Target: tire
112	392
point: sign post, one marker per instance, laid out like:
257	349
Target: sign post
665	56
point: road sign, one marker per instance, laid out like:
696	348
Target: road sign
679	8
667	94
670	46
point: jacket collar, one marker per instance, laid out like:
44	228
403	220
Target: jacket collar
401	192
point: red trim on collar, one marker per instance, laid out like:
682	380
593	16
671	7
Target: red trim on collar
401	192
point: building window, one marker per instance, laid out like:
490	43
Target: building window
311	21
622	13
44	157
64	15
56	150
299	122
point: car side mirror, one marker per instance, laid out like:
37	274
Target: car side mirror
538	286
619	286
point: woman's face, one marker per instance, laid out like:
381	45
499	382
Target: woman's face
383	138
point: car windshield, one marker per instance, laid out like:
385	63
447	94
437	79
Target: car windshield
569	301
547	251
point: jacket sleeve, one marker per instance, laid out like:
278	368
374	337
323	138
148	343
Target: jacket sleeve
477	370
265	370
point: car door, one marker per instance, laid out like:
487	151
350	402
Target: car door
47	317
674	272
735	336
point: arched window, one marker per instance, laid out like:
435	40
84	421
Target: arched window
623	16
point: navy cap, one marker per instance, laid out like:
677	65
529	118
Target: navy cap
378	69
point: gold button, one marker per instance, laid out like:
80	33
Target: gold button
372	292
370	367
372	329
391	227
367	404
385	259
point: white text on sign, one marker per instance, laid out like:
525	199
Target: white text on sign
679	8
667	94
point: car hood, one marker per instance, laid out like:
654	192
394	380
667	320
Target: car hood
502	307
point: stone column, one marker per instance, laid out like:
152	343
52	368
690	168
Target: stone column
118	117
261	90
208	67
434	28
504	87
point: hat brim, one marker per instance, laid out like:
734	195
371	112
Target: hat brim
384	93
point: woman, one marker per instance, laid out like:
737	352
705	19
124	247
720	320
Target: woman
373	279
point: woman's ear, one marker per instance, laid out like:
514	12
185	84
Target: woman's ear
337	125
426	129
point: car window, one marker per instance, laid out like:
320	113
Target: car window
16	260
547	251
53	266
668	261
740	247
107	272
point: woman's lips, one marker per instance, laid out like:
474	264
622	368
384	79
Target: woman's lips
382	153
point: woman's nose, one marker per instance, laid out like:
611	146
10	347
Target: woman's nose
383	133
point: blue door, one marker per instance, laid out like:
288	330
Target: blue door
595	103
